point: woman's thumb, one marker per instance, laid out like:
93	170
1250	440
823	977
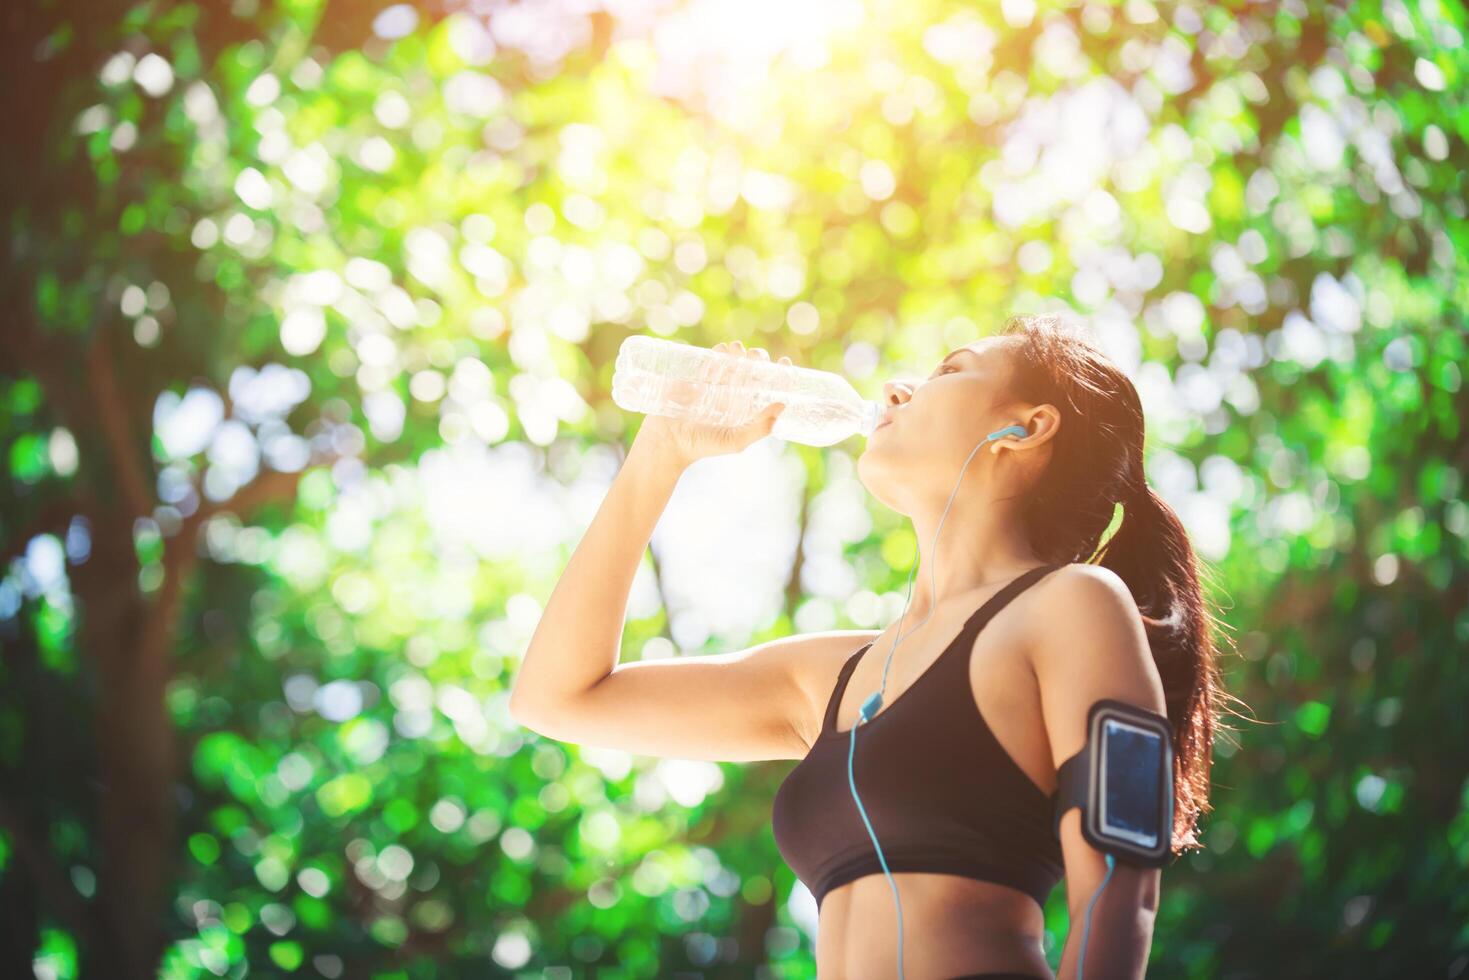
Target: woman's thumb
772	412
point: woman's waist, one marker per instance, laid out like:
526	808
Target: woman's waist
948	903
950	928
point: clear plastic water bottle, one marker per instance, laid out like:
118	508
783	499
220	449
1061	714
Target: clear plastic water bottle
663	377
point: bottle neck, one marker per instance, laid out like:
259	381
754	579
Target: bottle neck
872	415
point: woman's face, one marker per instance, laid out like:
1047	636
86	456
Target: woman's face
935	424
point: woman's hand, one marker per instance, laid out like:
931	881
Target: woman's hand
685	441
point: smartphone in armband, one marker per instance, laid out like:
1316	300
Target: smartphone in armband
1123	781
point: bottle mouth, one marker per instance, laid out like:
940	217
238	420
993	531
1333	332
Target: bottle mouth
873	417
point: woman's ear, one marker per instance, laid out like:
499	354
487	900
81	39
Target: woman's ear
1046	420
1035	426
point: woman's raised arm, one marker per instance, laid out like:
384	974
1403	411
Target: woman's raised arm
742	706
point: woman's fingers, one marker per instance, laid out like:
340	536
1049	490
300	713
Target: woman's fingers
720	372
706	369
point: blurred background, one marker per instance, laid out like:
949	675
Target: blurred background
310	316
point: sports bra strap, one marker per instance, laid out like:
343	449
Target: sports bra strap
828	722
1002	598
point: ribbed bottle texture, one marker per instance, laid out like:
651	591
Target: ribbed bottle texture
663	377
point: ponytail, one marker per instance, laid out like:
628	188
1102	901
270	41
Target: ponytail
1151	553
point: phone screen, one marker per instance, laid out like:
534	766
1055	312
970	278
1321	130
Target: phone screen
1131	774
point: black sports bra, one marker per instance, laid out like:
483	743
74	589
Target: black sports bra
942	794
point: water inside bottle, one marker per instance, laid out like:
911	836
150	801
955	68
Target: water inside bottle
658	376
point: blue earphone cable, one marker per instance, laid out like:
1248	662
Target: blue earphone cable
884	861
1087	926
873	703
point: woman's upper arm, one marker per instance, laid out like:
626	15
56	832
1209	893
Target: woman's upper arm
1098	648
750	705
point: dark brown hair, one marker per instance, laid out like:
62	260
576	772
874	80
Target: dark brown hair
1097	464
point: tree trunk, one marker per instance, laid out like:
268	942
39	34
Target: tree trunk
136	817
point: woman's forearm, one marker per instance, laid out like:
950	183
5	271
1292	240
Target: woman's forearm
1118	943
578	639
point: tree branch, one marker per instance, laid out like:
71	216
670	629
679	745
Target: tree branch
798	561
117	426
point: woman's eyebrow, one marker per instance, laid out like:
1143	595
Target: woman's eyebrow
954	354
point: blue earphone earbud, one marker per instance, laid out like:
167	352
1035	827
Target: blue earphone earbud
1016	430
874	702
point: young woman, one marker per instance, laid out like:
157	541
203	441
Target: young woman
1017	626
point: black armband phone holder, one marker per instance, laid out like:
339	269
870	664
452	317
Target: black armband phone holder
1123	781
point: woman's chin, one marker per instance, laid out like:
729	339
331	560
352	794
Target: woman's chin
876	454
872	481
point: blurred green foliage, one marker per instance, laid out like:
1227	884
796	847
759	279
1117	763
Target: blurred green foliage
280	273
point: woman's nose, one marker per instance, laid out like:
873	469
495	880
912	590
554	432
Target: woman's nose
897	392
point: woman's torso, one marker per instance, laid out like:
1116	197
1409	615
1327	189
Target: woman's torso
951	925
